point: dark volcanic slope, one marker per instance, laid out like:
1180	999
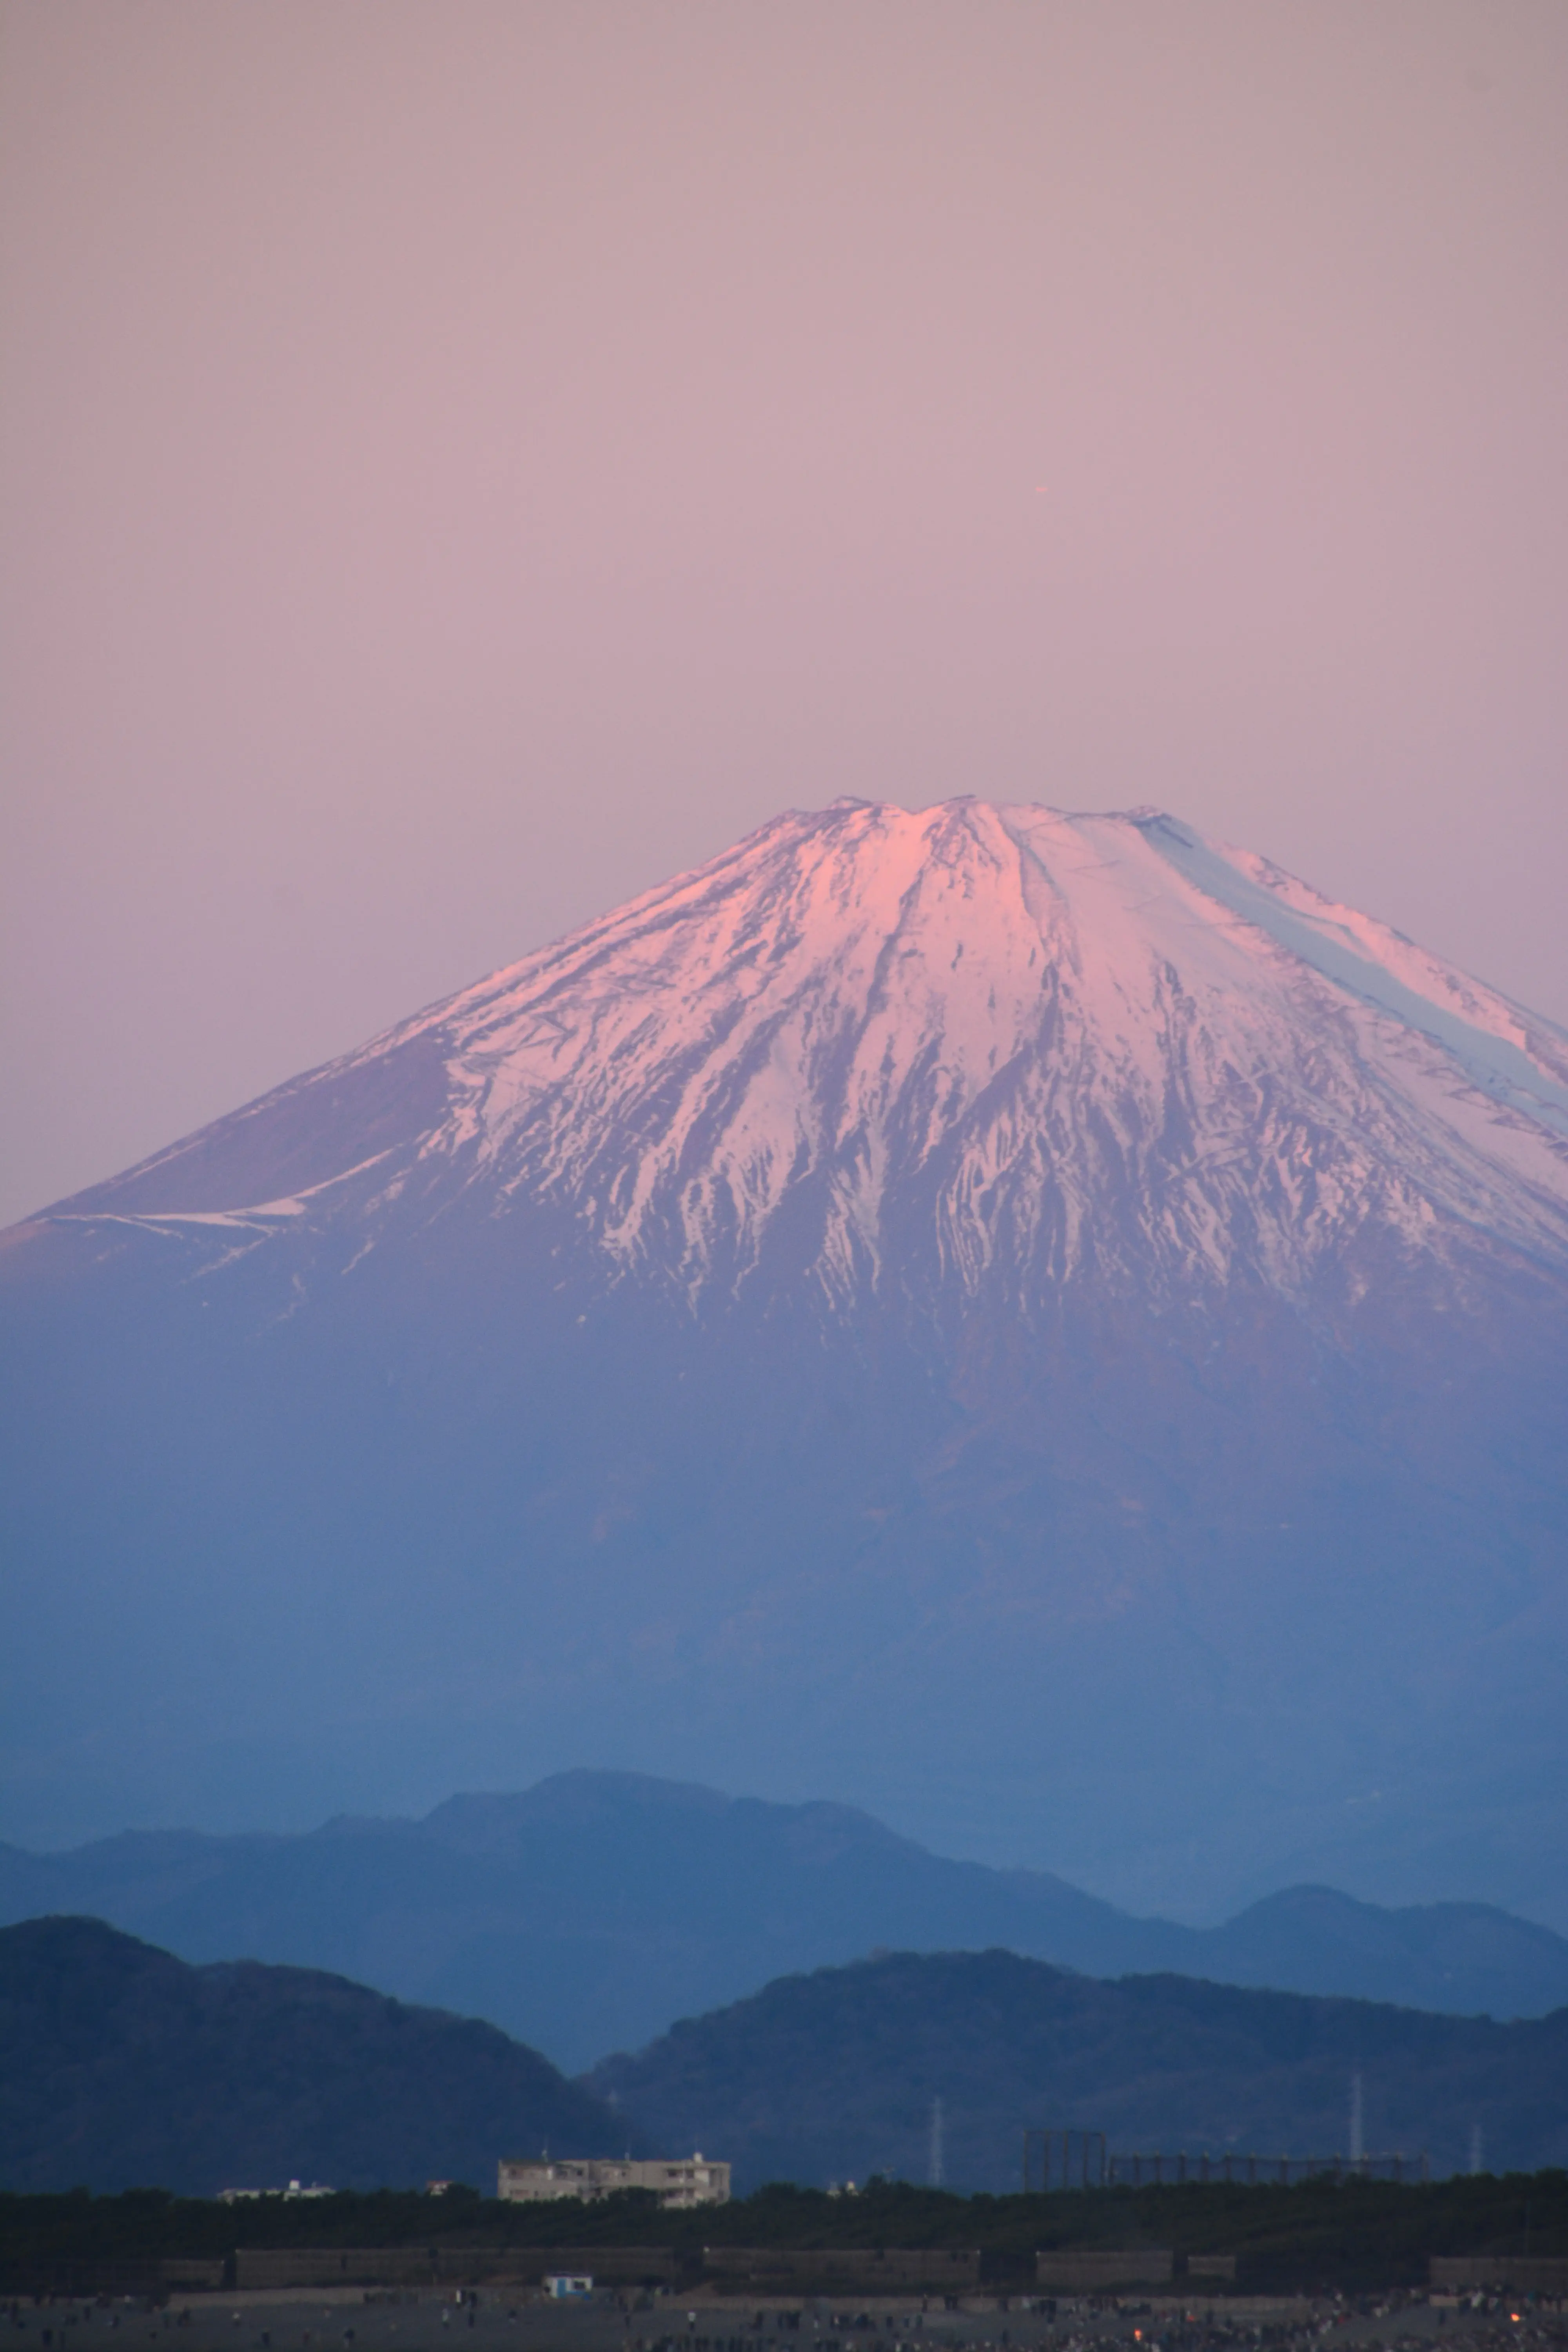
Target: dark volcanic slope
1034	1322
589	1913
121	2067
832	2075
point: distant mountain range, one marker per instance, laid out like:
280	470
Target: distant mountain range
1043	1323
590	1911
835	2074
120	2067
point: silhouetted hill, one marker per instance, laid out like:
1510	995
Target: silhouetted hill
833	2076
589	1912
121	2066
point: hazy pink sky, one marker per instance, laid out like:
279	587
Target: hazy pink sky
464	462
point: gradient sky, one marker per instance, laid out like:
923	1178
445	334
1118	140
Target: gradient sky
464	462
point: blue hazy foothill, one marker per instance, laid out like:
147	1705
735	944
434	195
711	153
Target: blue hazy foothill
122	2066
835	2074
590	1911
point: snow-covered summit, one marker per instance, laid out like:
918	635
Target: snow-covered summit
970	1045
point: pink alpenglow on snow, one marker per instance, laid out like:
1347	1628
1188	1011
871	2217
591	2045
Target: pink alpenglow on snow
1100	1032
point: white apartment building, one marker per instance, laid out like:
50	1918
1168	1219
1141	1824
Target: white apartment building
673	2181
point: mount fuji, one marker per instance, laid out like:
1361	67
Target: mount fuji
1038	1323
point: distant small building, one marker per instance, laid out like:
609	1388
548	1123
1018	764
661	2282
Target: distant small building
562	2286
673	2181
293	2191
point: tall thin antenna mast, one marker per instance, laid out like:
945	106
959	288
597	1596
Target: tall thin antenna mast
935	2167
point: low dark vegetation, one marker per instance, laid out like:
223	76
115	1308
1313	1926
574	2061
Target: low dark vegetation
1316	2235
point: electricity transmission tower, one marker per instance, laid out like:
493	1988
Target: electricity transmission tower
936	2169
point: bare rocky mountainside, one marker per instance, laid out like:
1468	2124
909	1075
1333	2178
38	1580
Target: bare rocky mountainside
1037	1323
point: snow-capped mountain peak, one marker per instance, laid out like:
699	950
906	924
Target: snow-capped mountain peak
970	1044
1035	1320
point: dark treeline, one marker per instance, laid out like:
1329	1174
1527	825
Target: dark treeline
1319	2234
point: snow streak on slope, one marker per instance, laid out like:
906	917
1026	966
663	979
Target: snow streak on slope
976	1044
1491	1039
